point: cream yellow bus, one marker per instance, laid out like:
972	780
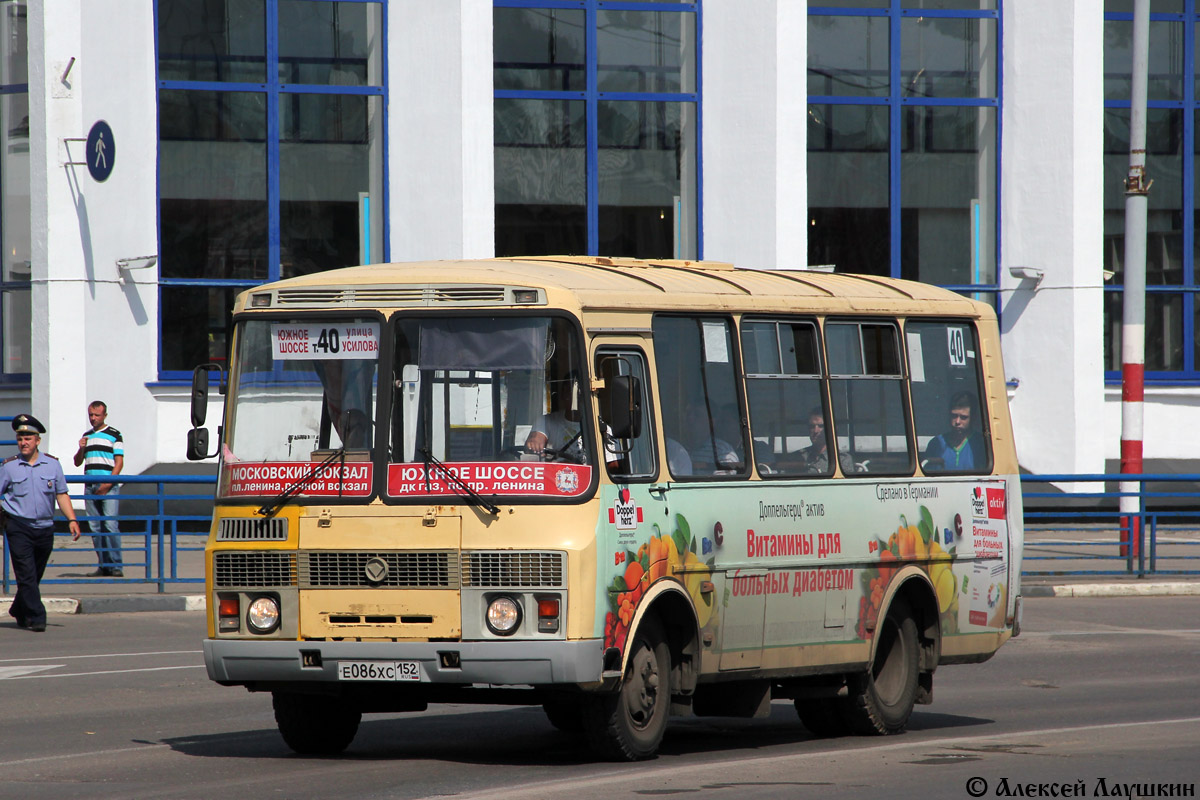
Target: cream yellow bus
618	489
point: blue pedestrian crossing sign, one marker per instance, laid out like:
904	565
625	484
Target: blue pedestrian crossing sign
101	151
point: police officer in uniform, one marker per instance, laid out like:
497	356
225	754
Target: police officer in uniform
30	484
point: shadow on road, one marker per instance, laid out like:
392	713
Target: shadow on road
524	737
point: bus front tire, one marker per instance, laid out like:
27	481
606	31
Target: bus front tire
881	699
314	724
628	725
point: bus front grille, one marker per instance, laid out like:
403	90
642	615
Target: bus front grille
251	529
514	569
389	569
254	569
403	569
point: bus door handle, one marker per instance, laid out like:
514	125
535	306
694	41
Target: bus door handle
659	489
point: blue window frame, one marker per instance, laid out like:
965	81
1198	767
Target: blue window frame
1172	328
15	232
272	154
904	140
597	128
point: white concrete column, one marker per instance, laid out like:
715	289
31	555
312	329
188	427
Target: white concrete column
1052	207
440	129
59	215
754	55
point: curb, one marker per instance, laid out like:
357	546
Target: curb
119	604
1140	589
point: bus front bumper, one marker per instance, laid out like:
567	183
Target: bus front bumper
503	663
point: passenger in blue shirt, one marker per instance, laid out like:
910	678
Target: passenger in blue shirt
30	485
958	449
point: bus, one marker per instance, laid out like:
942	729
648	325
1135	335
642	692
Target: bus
618	489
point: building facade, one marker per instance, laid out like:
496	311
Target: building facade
972	144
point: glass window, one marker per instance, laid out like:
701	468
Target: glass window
866	386
948	175
911	191
645	51
212	40
848	188
274	177
500	400
945	376
848	56
1170	304
699	397
631	189
15	209
541	177
330	146
788	421
948	57
632	456
647	179
539	48
330	43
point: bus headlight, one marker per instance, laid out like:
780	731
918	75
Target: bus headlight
263	615
503	616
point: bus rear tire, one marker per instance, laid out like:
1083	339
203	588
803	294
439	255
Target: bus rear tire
314	724
881	699
628	725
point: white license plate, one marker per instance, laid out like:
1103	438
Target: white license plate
379	671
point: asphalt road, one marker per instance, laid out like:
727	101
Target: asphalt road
118	706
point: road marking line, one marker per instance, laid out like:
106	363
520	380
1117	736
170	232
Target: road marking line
658	773
7	673
103	655
101	672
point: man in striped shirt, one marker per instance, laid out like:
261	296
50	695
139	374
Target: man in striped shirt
102	452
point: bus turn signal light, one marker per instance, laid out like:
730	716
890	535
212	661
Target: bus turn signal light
228	613
547	614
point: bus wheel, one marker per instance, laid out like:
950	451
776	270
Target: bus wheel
628	725
565	713
825	717
314	724
882	698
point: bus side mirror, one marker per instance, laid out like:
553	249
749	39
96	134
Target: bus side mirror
624	412
199	396
197	444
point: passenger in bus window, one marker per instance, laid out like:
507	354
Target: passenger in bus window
958	449
816	455
678	460
710	453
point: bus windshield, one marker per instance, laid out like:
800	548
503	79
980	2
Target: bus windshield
480	391
302	387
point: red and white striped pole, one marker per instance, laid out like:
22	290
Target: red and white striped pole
1133	319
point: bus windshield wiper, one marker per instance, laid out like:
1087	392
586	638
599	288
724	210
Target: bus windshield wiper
456	483
296	488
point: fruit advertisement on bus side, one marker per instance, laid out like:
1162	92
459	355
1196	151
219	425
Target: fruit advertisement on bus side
794	565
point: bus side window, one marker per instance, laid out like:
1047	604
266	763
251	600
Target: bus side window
631	456
788	422
944	369
698	388
866	387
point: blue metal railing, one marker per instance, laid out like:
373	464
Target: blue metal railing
154	531
1086	534
1076	534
